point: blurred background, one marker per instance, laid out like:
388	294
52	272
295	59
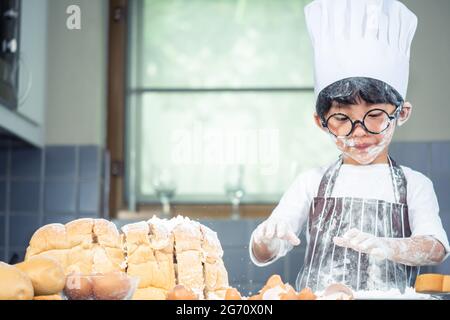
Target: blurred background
124	109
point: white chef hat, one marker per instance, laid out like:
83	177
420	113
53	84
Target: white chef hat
361	38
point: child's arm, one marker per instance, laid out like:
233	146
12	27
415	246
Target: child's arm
267	239
276	236
412	251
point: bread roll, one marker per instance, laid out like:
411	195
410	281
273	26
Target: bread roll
14	283
180	292
150	293
46	274
215	273
149	247
160	252
82	246
111	286
80	233
106	234
215	295
49	237
190	271
232	294
51	241
446	284
290	293
189	256
51	297
429	282
306	294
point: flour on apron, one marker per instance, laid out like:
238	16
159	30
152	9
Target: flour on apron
326	263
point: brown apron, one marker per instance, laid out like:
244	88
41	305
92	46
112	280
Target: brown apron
326	263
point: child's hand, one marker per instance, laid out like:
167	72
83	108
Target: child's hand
275	228
365	243
412	251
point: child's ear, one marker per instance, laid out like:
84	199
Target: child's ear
404	114
318	121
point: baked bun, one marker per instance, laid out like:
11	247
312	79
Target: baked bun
46	274
429	282
446	284
232	294
51	297
83	246
256	297
14	284
306	294
159	253
180	292
111	286
289	294
273	281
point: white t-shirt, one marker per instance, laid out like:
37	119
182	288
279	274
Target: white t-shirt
369	181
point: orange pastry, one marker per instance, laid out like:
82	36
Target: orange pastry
429	282
180	292
232	294
290	294
274	281
446	284
111	286
306	294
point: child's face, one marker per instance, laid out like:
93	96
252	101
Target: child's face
361	146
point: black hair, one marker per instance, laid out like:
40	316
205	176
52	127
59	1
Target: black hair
349	90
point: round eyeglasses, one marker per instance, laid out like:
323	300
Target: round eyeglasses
375	121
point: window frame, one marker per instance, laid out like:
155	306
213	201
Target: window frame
118	93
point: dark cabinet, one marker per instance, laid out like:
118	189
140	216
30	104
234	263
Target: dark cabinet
23	70
9	52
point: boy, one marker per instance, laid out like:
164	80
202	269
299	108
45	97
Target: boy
370	223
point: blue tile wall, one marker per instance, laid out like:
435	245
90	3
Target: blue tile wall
296	258
2	231
26	163
90	162
22	228
25	196
89	196
261	274
16	254
441	186
440	158
56	184
61	162
3	162
231	233
416	155
60	196
440	174
238	264
59	218
3	195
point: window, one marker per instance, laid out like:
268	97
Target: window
219	94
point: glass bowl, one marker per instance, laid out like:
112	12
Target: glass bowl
108	286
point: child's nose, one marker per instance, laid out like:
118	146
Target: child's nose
359	130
